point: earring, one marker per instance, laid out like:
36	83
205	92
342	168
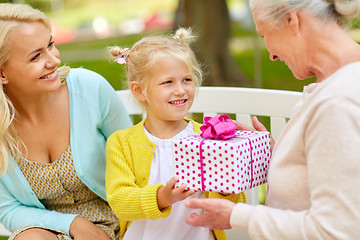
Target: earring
3	79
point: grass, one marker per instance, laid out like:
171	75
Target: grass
3	237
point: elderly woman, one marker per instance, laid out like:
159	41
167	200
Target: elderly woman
53	128
314	176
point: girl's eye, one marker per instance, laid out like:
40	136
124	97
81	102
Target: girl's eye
187	80
167	82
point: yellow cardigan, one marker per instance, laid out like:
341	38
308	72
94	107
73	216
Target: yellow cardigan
129	155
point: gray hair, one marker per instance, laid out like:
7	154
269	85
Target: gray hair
341	11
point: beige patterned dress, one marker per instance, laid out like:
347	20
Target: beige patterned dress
58	187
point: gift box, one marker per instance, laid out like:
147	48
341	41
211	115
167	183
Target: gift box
230	163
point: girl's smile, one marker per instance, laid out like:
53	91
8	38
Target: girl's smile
171	90
178	102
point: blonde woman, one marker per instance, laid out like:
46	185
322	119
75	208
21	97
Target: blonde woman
314	172
54	126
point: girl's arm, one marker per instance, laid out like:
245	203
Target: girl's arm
128	195
168	195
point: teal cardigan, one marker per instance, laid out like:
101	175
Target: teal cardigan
95	113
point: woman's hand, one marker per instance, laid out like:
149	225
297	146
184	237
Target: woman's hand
82	229
216	214
258	126
168	195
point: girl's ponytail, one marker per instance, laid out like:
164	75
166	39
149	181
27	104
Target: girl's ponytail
184	34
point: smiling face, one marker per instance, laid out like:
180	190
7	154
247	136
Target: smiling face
285	43
171	90
33	60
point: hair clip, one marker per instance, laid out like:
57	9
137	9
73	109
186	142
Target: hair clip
123	56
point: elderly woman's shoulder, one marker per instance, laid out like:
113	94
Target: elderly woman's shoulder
349	75
345	82
351	80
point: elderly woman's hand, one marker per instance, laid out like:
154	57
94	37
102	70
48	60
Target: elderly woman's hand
216	214
258	126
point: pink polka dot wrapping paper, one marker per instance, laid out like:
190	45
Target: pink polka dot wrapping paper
225	166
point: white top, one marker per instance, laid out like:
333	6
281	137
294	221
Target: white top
174	226
314	174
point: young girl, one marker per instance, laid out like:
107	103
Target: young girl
163	74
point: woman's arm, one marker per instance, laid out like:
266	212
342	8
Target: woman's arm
113	111
332	154
19	207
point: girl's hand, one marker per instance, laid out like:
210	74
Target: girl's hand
82	229
168	195
258	126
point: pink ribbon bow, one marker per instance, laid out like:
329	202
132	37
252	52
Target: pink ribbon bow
219	127
122	58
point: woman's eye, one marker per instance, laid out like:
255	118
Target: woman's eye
35	57
51	44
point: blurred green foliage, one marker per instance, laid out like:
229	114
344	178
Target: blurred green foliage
275	75
81	12
113	72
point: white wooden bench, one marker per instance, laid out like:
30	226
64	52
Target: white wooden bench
241	103
3	231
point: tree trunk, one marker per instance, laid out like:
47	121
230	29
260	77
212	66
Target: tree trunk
210	21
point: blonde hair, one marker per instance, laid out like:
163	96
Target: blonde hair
146	52
341	11
11	15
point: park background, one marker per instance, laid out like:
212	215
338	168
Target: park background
230	51
228	47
